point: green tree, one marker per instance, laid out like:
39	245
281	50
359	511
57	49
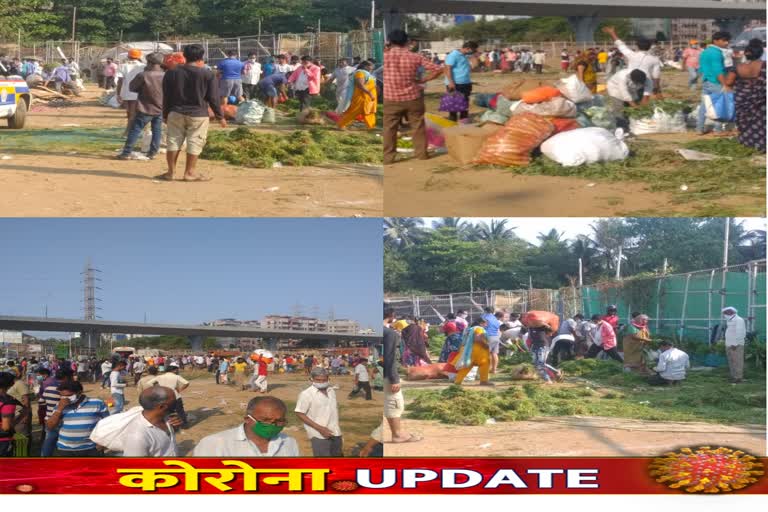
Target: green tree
402	232
396	271
496	230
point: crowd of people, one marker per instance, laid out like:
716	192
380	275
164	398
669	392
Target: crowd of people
61	75
74	424
474	346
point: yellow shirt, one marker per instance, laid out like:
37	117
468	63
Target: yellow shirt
400	325
240	367
602	57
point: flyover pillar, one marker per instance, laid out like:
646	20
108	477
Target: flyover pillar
270	344
393	19
196	342
733	25
584	27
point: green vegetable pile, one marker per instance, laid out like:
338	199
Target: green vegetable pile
296	149
671	107
722	147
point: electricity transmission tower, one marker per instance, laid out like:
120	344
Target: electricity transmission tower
90	301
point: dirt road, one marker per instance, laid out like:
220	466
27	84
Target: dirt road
572	436
439	186
62	165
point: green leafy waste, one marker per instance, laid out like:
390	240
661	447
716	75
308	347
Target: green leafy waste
671	107
300	148
722	147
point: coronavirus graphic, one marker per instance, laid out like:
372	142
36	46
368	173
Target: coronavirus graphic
706	470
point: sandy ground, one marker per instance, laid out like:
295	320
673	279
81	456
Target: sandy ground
212	408
55	183
440	187
572	437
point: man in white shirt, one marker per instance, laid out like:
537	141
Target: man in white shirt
117	386
639	59
138	370
125	73
362	380
151	433
251	77
106	367
672	366
318	410
342	76
260	435
172	379
735	335
539	58
283	66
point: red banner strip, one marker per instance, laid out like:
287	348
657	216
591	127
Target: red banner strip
598	475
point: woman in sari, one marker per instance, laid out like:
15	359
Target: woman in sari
363	99
474	351
452	340
585	69
415	340
749	87
635	340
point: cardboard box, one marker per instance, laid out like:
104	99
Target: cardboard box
464	142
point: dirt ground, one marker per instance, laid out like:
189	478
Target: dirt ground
439	186
62	180
212	408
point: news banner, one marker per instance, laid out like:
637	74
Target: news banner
687	471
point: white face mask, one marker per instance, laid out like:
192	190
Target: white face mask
321	385
72	399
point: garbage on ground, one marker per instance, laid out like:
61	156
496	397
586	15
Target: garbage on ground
699	156
513	143
585	146
250	113
659	122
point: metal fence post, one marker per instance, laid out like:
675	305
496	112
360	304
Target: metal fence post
709	305
685	305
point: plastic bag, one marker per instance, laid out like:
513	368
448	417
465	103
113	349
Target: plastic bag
453	102
721	106
489	116
540	94
541	318
585	146
574	89
250	113
659	122
269	115
483	100
505	106
556	107
512	145
109	431
602	117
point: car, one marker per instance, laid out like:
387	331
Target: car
15	101
742	40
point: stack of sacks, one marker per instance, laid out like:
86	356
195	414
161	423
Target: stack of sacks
513	143
546	101
501	110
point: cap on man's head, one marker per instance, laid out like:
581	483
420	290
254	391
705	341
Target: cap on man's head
134	53
729	308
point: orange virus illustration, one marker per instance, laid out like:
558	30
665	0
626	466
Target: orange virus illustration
706	470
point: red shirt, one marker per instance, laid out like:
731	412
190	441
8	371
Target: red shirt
401	68
262	368
613	320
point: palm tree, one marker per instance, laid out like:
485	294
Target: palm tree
553	236
402	232
752	244
496	231
449	222
472	232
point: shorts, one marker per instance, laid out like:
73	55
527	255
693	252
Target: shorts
394	403
192	129
493	344
269	90
229	88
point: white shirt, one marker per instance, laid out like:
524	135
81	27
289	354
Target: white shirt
302	82
513	332
115	387
618	86
735	332
672	364
234	443
538	57
127	72
143	439
342	76
640	60
139	366
283	68
106	366
169	380
251	72
362	373
320	408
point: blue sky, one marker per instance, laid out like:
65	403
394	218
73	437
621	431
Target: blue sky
193	270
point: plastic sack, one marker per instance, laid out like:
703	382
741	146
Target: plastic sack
269	116
721	106
483	100
564	124
489	116
659	122
540	319
585	146
109	431
540	94
583	120
601	117
435	125
250	113
229	112
505	106
556	107
512	145
574	89
493	103
453	102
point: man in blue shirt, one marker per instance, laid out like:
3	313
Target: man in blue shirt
713	73
75	417
230	73
271	87
492	333
458	74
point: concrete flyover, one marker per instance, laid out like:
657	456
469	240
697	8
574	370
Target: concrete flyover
196	333
584	15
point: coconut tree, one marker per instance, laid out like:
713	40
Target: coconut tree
402	232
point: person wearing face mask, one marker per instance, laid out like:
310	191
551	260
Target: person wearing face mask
75	417
318	410
260	435
151	433
735	335
251	77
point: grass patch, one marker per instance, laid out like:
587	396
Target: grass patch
300	148
601	388
722	147
59	140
